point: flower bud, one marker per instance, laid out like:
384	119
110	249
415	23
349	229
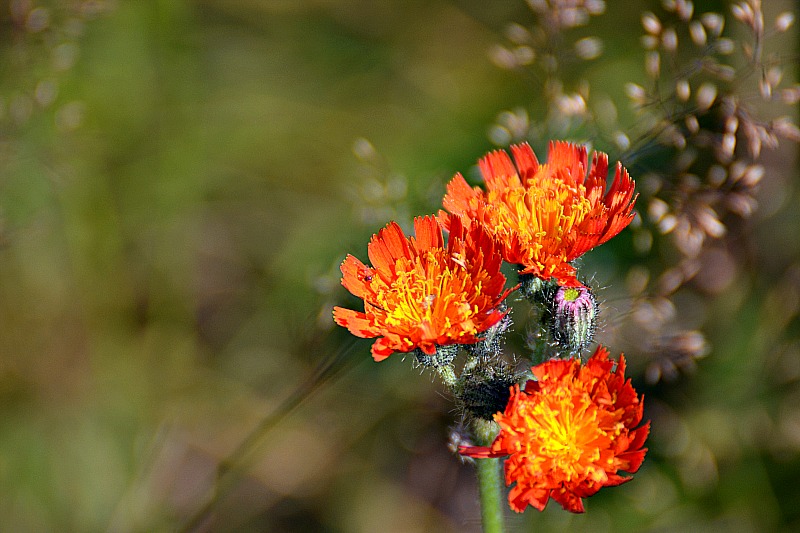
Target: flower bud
573	316
485	389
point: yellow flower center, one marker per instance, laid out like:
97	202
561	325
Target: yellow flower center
565	440
563	434
543	214
429	294
571	294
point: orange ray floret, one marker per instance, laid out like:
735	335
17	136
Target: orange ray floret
546	215
569	433
421	293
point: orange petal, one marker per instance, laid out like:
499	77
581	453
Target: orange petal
478	452
498	171
381	349
387	247
355	276
461	199
570	157
527	163
614	480
569	501
428	233
357	323
598	172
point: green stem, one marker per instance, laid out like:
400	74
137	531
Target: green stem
491	495
490	482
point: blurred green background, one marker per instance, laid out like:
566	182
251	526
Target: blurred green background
179	181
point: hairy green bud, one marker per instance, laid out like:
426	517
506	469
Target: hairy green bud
485	389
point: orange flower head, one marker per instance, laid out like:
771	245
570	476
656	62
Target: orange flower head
545	215
569	433
421	293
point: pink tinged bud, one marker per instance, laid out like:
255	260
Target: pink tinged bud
574	315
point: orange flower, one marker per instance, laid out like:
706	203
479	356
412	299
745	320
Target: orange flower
545	215
419	293
567	434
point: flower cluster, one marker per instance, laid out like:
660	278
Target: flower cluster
571	430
